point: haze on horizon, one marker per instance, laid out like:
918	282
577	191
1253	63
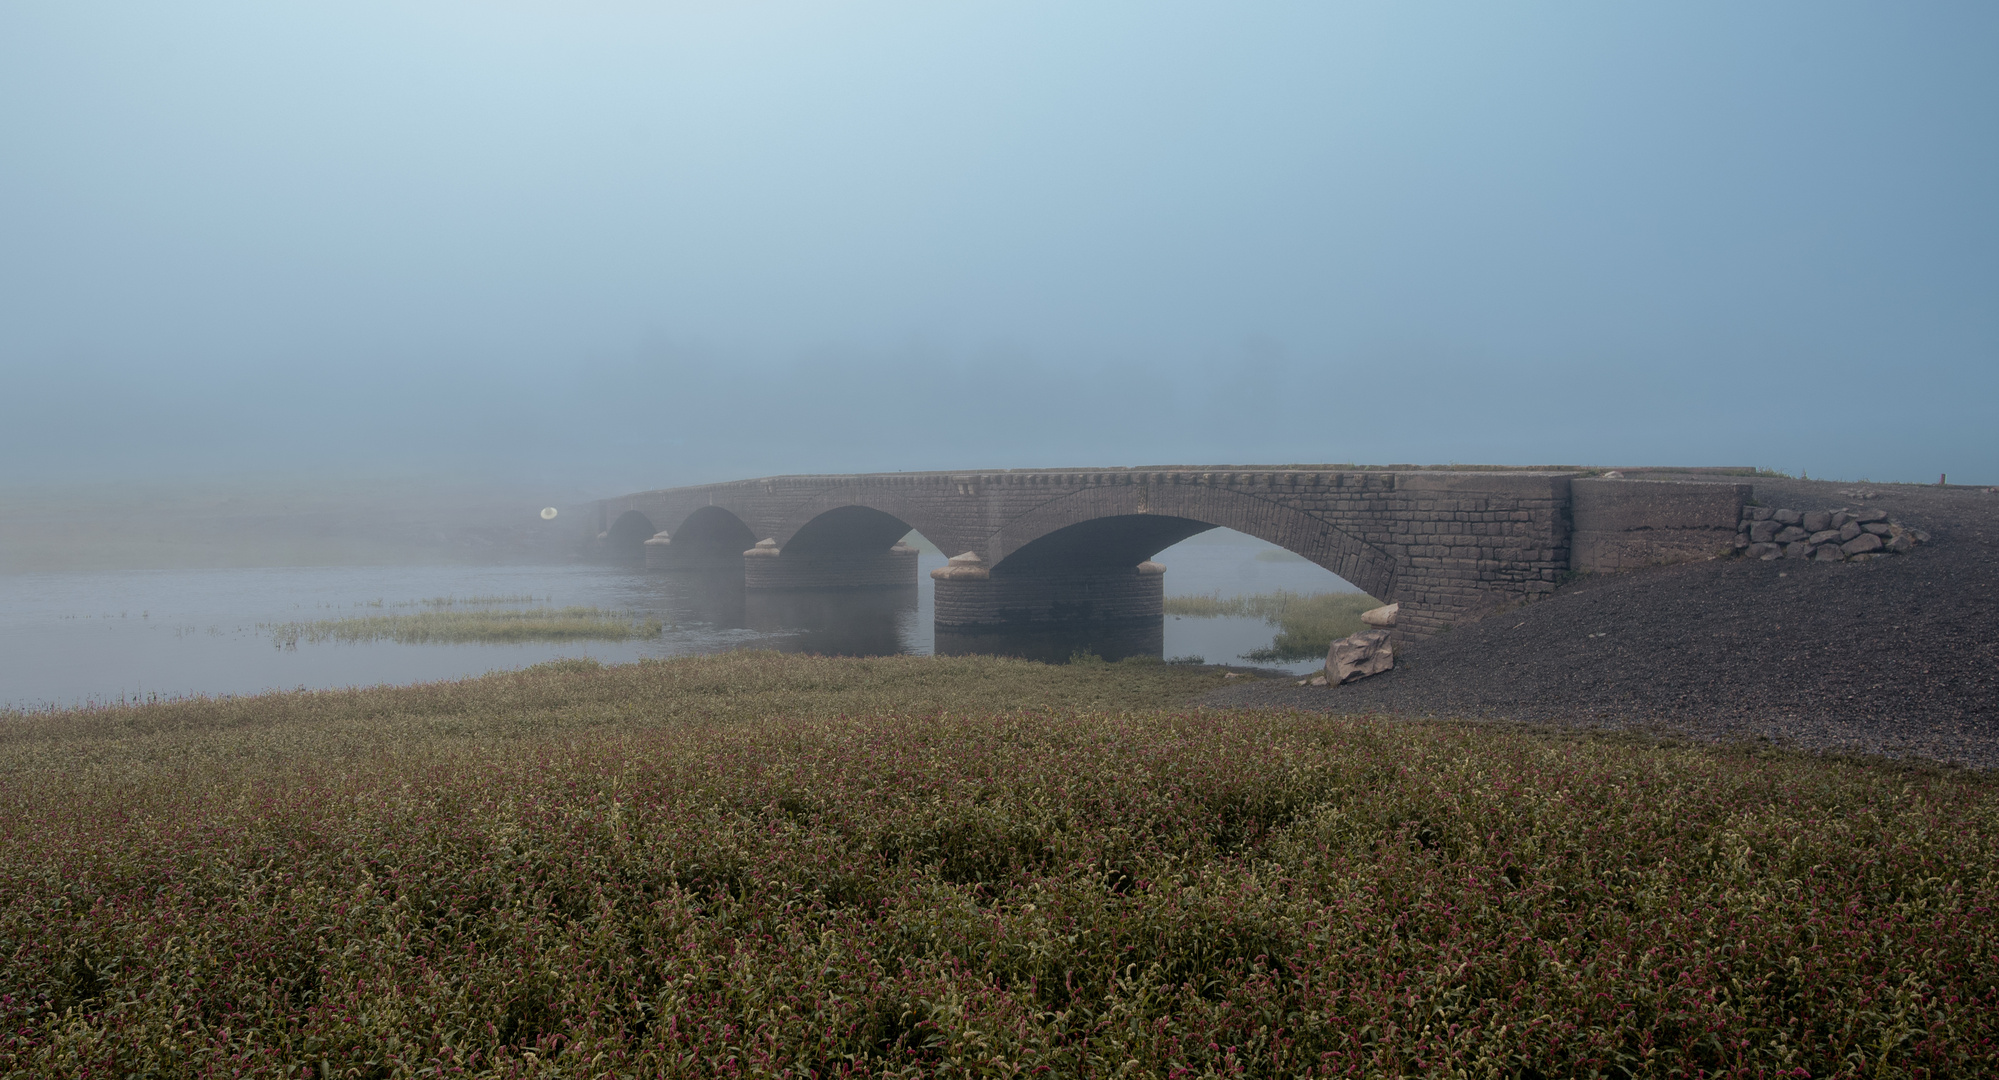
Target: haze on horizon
609	246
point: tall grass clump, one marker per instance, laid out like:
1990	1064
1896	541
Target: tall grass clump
781	866
531	624
1307	624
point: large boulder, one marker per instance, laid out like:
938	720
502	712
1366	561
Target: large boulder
1358	656
1381	617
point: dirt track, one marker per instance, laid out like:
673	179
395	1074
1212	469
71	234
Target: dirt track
1897	655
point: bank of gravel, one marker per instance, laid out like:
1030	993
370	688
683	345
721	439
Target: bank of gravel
1895	656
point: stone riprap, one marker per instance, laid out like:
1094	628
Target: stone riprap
1824	535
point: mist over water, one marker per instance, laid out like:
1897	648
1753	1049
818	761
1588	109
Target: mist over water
615	246
75	638
362	287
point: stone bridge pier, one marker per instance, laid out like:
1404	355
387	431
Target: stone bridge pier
1053	550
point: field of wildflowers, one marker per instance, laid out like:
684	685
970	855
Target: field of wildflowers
754	865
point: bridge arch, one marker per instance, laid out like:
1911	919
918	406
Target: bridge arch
711	532
626	537
1109	526
851	546
853	527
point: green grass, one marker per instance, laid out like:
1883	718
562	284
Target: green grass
764	865
532	624
1307	624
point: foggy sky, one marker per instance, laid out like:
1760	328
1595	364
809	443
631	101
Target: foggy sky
634	245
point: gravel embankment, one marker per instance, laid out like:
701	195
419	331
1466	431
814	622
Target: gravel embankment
1894	656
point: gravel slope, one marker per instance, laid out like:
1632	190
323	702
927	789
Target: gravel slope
1896	655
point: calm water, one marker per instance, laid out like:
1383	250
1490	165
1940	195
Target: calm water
72	638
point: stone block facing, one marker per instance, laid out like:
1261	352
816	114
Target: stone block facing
1626	524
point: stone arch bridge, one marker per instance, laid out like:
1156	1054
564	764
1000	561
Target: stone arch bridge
1040	546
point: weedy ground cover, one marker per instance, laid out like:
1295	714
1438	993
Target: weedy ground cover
1307	624
526	624
757	865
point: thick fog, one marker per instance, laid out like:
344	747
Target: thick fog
605	246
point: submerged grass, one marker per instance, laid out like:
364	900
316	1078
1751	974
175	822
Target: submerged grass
532	624
1307	624
765	865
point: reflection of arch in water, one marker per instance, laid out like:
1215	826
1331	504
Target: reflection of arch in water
847	547
1055	643
835	622
625	540
709	539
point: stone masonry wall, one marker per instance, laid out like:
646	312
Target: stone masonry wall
1466	543
1627	524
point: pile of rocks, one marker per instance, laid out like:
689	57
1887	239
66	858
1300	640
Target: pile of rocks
1823	535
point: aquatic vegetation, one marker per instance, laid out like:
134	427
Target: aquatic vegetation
1307	624
765	865
476	601
529	624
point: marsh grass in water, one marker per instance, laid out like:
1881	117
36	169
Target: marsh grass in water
766	865
1307	624
476	601
531	624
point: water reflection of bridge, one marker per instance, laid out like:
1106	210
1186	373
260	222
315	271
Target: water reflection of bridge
1062	557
